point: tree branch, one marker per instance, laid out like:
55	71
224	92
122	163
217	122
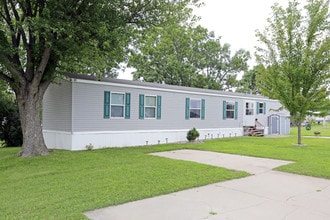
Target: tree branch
9	64
7	18
14	39
42	66
6	78
13	6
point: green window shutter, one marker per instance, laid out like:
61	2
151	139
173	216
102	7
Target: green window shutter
159	107
106	109
127	105
203	109
187	108
236	110
141	106
264	108
224	110
257	108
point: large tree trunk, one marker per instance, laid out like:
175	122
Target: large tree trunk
29	99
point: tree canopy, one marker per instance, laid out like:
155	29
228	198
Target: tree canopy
248	82
295	55
186	55
40	40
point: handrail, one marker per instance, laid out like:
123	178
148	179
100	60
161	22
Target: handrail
258	124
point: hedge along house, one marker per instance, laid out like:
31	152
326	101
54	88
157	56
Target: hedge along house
82	110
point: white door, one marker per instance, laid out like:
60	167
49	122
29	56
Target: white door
248	113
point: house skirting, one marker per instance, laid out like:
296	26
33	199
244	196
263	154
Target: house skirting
105	139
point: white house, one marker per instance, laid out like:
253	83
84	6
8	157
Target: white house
83	110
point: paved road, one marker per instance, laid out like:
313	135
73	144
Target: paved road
266	195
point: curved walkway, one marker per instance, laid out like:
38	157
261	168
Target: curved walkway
267	194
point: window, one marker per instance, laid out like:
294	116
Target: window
230	110
149	106
249	108
261	108
195	108
116	105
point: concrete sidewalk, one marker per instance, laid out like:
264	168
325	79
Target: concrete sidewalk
253	165
267	195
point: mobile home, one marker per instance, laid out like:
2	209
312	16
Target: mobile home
85	111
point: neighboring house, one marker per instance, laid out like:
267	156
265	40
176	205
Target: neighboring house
114	113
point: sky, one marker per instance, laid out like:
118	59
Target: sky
235	21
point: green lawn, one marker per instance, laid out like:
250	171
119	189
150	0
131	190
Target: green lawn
324	129
65	184
312	159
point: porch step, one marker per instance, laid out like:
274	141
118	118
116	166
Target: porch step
255	132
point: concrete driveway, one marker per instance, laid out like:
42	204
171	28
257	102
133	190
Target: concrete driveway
266	195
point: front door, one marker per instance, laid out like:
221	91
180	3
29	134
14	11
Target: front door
249	111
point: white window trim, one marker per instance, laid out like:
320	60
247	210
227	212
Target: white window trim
123	105
251	109
231	110
200	108
146	106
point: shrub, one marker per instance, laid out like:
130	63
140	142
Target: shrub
89	147
192	134
10	126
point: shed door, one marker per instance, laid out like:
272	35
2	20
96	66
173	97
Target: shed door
274	124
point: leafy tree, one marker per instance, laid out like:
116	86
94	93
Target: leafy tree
165	58
248	82
3	86
296	57
323	108
39	40
221	66
188	56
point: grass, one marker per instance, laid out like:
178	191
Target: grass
311	160
65	184
324	129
